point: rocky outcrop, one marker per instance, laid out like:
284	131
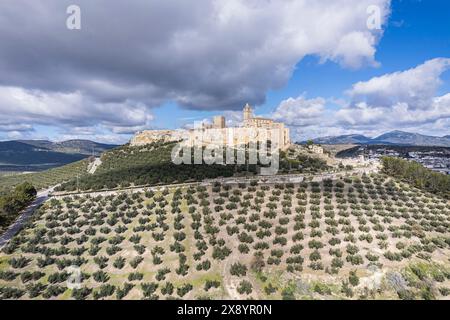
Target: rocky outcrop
150	136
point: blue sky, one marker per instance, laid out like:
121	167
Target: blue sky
159	72
417	31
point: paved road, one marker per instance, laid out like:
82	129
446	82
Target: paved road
41	197
97	162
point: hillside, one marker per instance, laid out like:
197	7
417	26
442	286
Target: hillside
146	165
390	138
152	165
17	154
46	178
359	238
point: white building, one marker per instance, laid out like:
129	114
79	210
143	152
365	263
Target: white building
316	149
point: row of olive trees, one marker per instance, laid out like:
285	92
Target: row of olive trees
417	175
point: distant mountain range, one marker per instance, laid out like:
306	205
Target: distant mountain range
31	155
390	138
85	147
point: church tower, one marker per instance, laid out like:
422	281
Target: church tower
248	112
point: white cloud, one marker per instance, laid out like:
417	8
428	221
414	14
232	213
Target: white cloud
20	109
416	87
359	114
402	100
15	135
355	49
398	99
16	127
397	115
203	54
299	111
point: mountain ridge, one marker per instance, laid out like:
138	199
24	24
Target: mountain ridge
79	146
31	155
395	137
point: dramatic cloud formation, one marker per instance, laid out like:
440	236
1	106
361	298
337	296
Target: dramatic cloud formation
18	105
131	56
401	100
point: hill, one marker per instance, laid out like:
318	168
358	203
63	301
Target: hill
357	238
46	178
412	139
38	155
345	139
151	164
85	147
390	138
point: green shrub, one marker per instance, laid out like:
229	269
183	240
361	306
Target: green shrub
245	287
353	279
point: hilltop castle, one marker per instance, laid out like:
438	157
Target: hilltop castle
252	129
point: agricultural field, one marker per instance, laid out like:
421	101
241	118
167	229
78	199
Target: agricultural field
47	178
362	237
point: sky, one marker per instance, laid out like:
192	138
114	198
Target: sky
323	67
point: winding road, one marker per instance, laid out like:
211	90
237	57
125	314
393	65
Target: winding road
94	165
41	197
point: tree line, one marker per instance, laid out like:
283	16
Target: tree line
417	175
15	201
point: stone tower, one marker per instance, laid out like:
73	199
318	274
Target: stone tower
219	122
248	112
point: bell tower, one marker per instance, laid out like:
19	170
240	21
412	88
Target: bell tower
248	112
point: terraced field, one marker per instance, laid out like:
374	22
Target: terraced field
360	237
